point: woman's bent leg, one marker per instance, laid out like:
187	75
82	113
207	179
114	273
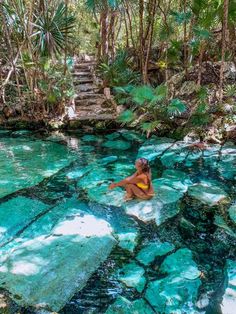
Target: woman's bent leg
133	191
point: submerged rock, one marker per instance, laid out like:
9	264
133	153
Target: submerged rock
26	162
113	136
165	192
179	289
208	193
125	229
128	240
232	213
16	214
220	222
154	147
229	297
177	153
55	257
124	306
102	195
90	138
132	275
132	136
108	160
117	144
152	250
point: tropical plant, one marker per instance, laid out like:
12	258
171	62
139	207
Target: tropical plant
149	107
52	27
118	72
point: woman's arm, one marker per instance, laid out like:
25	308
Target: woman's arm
135	178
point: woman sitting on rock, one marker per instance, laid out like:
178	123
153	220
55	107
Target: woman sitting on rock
139	185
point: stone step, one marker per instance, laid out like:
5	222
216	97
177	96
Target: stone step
87	87
86	65
94	109
85	80
88	95
91	101
83	74
96	117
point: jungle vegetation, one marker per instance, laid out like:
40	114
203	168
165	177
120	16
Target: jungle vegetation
140	46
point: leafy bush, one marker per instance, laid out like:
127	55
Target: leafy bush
118	72
149	107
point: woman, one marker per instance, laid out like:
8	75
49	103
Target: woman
139	185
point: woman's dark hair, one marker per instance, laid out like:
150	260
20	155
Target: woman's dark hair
144	164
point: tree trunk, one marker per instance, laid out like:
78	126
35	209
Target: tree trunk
104	32
185	44
141	39
223	47
152	13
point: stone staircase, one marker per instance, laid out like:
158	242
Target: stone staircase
90	102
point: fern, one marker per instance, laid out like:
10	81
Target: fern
176	107
142	94
149	127
126	116
181	17
230	90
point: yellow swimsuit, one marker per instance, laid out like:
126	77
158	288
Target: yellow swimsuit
143	186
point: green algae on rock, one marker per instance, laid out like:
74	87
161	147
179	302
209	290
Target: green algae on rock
229	297
132	275
40	258
124	306
179	289
152	250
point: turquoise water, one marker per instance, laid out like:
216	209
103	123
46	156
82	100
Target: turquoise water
61	228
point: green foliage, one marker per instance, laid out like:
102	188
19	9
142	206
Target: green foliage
176	107
56	87
230	90
126	116
51	28
200	116
118	72
142	94
149	127
149	107
181	17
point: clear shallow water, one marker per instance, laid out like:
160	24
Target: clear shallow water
51	169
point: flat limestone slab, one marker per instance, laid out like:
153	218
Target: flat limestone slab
208	193
55	257
16	214
153	209
229	297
